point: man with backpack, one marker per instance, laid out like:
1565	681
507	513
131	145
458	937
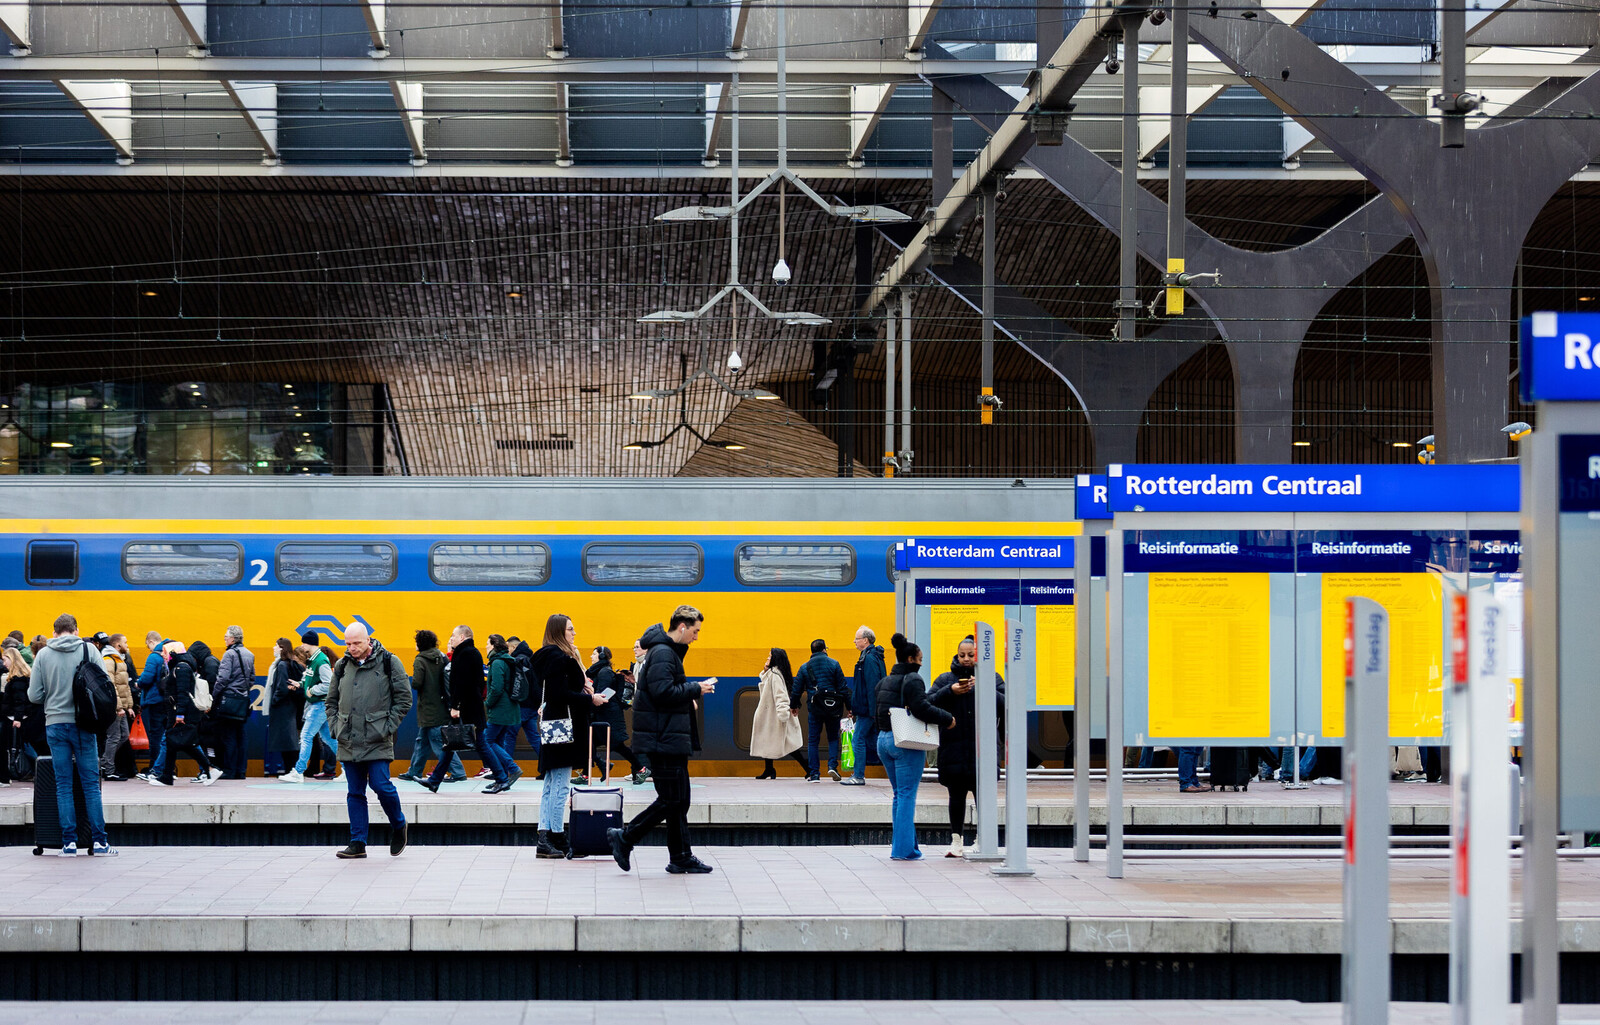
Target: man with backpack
527	691
231	701
73	749
821	680
369	697
152	703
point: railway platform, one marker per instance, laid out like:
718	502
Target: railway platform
493	922
728	810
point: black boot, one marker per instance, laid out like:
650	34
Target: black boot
559	842
769	772
547	849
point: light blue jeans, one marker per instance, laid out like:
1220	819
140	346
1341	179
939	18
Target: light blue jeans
74	750
316	723
866	734
904	767
553	800
1308	761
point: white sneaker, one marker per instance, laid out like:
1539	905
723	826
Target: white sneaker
1327	781
291	777
157	783
957	847
103	850
216	774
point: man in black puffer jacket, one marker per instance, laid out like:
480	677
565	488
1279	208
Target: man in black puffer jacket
664	728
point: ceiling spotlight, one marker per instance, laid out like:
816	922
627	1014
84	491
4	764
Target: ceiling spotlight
1400	444
695	213
872	214
731	446
668	316
513	294
1519	430
635	446
61	444
735	363
780	272
646	394
1302	444
761	395
803	319
149	292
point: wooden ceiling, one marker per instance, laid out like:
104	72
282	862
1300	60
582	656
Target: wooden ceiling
506	310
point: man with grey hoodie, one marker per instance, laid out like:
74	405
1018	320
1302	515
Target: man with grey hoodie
73	750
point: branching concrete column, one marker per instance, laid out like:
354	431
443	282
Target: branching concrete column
1266	301
1469	208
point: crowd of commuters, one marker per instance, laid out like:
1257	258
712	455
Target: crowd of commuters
325	711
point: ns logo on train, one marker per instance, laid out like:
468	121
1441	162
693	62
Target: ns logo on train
330	627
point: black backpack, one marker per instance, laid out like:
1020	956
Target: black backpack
93	695
521	686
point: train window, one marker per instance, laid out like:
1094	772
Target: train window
332	562
763	565
620	563
52	563
159	562
522	565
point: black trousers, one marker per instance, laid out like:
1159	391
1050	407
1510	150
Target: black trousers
230	748
960	787
155	727
671	776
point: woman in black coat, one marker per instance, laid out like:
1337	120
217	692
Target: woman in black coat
567	695
608	719
283	711
958	749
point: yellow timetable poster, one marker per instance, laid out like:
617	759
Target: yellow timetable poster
1055	644
1210	655
948	624
1415	602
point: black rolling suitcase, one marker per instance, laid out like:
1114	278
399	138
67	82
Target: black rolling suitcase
47	817
594	810
1231	768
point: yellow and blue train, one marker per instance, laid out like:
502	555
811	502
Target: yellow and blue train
770	563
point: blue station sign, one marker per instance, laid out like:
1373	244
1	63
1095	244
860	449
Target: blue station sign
984	553
1199	487
1560	357
1090	494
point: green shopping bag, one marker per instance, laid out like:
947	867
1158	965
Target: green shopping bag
847	749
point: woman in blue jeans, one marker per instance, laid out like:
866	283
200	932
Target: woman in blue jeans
905	688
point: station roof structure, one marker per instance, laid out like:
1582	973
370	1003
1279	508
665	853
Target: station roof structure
458	200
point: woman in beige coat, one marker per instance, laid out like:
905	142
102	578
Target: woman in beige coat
775	733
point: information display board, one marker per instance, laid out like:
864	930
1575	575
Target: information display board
1208	637
1578	595
954	606
1055	639
1403	571
1496	569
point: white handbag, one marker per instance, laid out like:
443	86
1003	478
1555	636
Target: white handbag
912	733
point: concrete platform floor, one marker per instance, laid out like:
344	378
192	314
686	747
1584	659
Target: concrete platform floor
739	801
760	899
754	1012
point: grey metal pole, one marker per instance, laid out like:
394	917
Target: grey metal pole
1083	671
905	382
1020	697
1541	750
1366	814
888	392
733	161
1178	146
987	733
1128	296
985	407
783	84
1452	73
1114	704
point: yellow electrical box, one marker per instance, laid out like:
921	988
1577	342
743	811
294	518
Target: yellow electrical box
1174	292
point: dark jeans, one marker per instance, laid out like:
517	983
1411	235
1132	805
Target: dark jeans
155	727
818	722
530	728
230	748
74	751
361	775
671	776
618	749
1189	766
